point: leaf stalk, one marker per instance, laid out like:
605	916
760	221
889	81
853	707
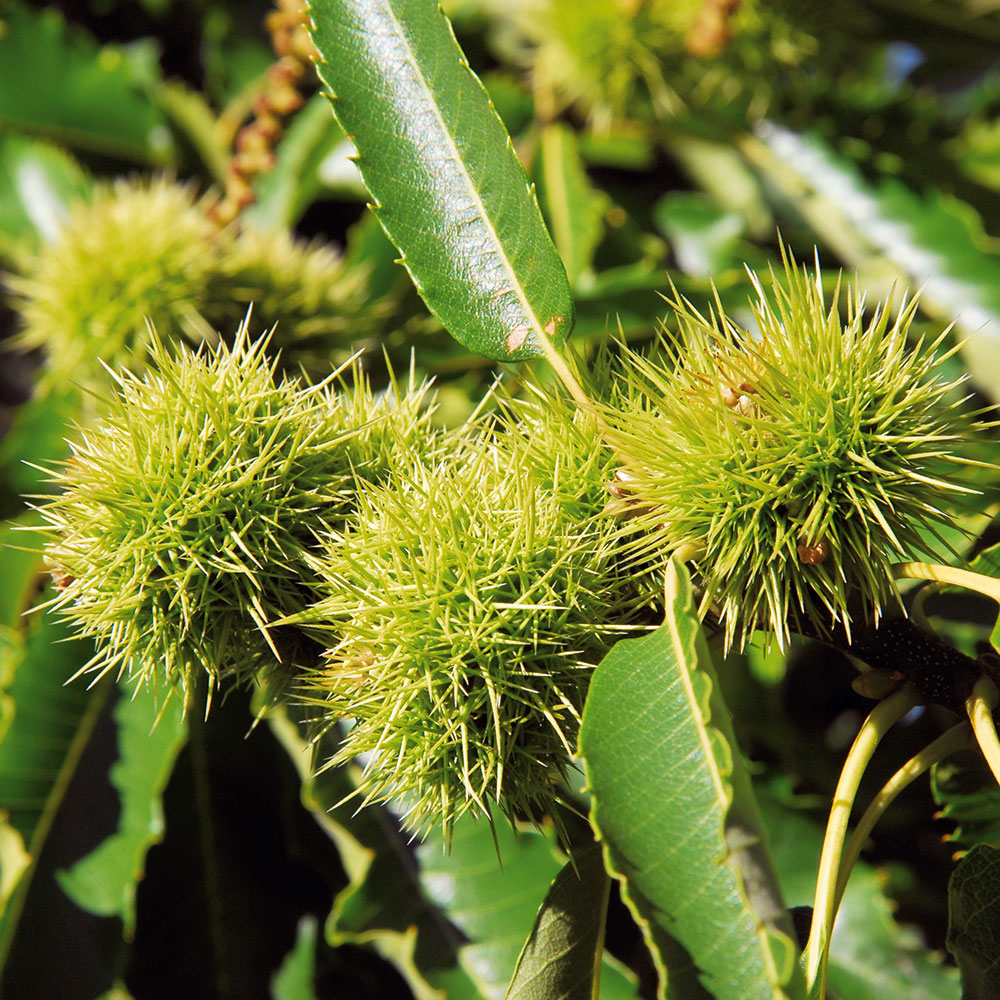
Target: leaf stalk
980	705
946	744
879	721
938	572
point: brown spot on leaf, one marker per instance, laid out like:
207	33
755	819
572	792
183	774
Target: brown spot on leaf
516	338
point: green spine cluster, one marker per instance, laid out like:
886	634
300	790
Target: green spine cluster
145	249
467	605
320	309
190	513
793	464
137	249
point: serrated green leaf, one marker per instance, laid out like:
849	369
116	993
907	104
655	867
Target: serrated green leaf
573	207
445	180
149	739
974	922
44	727
929	241
558	958
872	956
60	84
37	182
661	761
510	96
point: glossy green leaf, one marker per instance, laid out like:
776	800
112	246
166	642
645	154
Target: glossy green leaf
446	183
149	739
872	956
238	865
35	438
929	241
44	726
58	83
20	569
573	207
617	981
661	762
494	907
510	96
492	886
974	922
558	959
37	182
456	920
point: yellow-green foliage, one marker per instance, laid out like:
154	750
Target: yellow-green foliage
320	310
637	59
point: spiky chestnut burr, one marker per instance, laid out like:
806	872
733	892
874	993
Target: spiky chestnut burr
189	514
793	464
143	248
466	607
136	249
321	309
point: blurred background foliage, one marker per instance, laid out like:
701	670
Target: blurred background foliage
668	140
